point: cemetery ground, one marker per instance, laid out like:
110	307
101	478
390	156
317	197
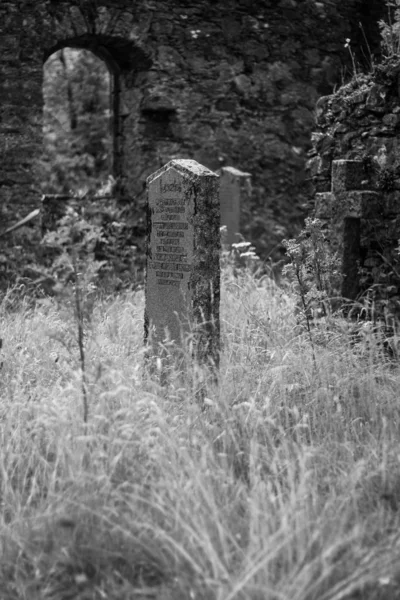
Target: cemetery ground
283	484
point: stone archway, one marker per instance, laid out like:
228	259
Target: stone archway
123	59
78	132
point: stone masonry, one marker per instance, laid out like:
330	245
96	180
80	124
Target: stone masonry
225	82
355	170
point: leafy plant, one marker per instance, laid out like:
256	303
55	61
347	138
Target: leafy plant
387	177
238	256
314	271
390	31
76	272
77	140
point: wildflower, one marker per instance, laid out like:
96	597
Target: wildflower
240	245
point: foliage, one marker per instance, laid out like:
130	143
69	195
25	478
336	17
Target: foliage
287	486
314	271
76	272
390	31
387	177
313	268
18	258
240	256
27	262
76	122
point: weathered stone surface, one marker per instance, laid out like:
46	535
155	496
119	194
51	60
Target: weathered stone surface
392	203
325	144
183	279
347	175
314	165
351	258
234	191
358	204
376	99
324	205
362	212
391	120
371	204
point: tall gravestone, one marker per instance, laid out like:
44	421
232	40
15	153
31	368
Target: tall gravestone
182	290
235	189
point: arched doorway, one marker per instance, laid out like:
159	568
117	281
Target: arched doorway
78	123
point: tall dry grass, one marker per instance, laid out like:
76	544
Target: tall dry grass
283	484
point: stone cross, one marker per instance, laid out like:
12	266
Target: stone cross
344	207
182	289
235	189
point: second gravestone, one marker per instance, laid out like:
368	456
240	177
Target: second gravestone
183	245
234	193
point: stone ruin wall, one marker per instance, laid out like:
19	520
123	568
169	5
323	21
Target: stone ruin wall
355	169
230	82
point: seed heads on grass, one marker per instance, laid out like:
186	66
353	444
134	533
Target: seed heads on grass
76	272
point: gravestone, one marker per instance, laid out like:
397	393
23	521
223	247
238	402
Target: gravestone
182	289
234	191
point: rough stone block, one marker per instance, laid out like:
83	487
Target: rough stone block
325	145
183	277
371	204
391	120
351	257
376	99
347	175
357	97
313	166
392	203
324	205
322	105
348	205
351	204
235	189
